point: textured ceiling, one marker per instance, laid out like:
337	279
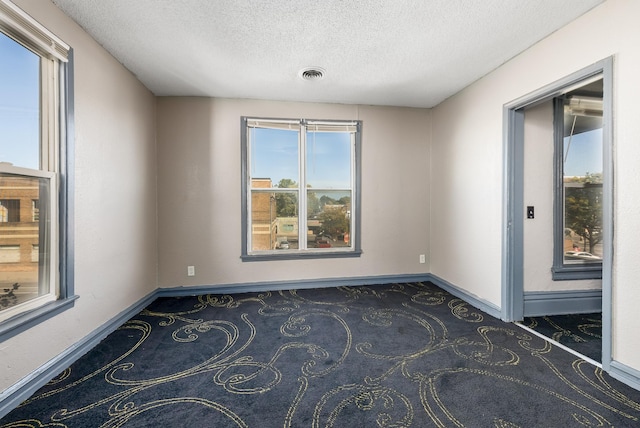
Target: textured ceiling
381	52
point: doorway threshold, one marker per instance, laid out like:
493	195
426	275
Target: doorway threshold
560	345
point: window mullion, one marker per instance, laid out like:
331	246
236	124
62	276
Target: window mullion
352	231
249	189
302	189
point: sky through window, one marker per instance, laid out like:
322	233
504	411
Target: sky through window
19	105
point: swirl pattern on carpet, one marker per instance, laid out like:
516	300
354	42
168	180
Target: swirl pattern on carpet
392	355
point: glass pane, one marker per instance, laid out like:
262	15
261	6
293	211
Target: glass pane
19	105
582	179
274	220
274	157
328	219
23	265
329	160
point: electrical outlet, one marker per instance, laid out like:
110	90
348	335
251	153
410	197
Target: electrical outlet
423	258
191	271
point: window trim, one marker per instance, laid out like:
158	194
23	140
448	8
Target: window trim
560	271
21	27
356	250
18	25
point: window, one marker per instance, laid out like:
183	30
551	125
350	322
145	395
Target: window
9	254
35	172
35	210
300	188
9	210
579	178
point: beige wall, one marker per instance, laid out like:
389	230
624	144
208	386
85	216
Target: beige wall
199	199
468	161
115	212
538	192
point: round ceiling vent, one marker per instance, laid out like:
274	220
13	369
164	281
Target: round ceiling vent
311	73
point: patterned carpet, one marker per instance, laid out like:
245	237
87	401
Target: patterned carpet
394	355
580	332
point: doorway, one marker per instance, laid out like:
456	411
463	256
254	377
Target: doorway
516	261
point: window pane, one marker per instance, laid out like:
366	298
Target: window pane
19	105
274	220
274	157
329	160
582	179
9	210
328	219
9	254
23	268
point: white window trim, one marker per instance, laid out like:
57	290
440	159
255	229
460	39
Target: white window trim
30	33
52	267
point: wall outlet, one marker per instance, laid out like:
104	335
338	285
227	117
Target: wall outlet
423	258
191	271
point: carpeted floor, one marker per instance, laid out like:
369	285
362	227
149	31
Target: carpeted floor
580	332
394	355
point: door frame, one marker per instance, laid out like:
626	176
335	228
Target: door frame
513	195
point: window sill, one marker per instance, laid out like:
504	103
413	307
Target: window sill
300	255
26	320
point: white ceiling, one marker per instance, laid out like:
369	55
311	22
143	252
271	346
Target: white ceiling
381	52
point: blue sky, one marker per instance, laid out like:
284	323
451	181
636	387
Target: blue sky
275	155
19	104
585	154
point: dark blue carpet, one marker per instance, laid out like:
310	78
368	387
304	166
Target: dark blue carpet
394	355
580	332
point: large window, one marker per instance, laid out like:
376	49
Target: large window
35	83
300	188
579	177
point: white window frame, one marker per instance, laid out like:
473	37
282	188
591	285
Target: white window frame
56	166
302	126
50	290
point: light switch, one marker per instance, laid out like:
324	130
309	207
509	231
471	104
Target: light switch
530	213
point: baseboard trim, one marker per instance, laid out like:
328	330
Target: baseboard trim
253	287
472	299
562	302
11	397
625	374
